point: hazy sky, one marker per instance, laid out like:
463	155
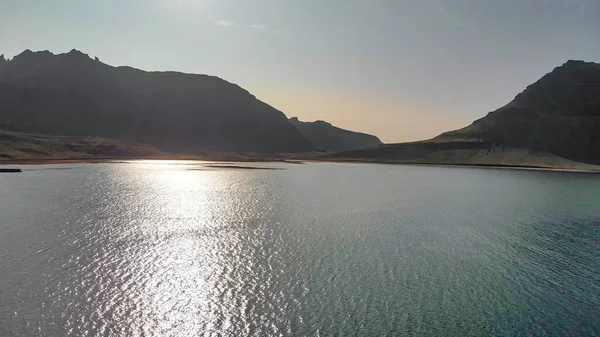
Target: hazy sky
400	69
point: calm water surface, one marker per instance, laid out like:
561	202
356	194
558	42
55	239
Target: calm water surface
159	249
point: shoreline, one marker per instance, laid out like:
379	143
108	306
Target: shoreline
62	161
467	165
108	160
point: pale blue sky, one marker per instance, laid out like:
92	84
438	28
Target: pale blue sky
403	70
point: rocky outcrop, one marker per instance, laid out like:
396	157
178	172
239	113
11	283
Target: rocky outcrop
327	137
73	95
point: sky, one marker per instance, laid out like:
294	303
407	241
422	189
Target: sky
403	70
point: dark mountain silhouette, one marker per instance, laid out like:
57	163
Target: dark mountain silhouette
559	114
327	137
554	122
73	95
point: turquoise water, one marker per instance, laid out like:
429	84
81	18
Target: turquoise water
171	249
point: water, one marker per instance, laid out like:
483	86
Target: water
157	249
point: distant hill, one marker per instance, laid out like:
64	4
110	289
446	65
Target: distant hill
327	137
555	122
73	95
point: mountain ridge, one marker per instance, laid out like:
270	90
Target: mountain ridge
72	94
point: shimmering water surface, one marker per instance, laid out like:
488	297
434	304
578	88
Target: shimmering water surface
159	249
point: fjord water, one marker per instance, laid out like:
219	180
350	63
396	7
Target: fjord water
168	249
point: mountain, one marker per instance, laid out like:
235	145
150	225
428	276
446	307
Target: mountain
559	114
327	137
554	122
73	95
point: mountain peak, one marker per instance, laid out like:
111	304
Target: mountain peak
25	53
28	55
76	52
2	59
318	122
322	122
571	74
577	66
578	63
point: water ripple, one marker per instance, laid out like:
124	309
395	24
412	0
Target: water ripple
159	249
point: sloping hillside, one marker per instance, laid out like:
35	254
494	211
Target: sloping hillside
19	146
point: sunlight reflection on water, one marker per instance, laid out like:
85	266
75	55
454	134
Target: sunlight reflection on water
188	248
